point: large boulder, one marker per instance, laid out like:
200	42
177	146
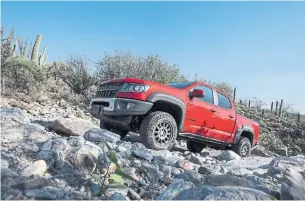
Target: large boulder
204	192
293	186
12	117
228	155
225	180
72	126
82	159
281	163
174	189
191	176
101	135
261	151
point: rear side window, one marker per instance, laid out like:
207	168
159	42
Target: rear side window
208	94
223	101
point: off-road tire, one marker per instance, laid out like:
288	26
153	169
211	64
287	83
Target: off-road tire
111	128
149	125
195	147
242	147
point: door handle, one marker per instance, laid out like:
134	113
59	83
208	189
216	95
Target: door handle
231	116
212	110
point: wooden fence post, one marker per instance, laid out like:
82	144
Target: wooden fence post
281	107
299	118
271	107
234	94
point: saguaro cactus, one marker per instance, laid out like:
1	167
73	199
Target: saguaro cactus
276	106
42	57
45	61
36	48
15	45
234	94
263	112
249	104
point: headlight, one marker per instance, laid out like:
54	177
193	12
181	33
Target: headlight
132	87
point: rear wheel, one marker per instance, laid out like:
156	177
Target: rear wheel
243	147
111	128
195	147
158	131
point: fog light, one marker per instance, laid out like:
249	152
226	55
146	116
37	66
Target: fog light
125	105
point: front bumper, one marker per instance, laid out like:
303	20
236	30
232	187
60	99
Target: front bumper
101	107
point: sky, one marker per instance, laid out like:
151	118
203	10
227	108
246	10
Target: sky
257	47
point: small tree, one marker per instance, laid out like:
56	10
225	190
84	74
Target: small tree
125	64
258	103
74	72
225	88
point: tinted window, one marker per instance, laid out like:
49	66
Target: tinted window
223	101
208	94
180	85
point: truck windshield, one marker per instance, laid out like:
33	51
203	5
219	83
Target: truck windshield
180	85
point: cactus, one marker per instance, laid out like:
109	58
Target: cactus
45	61
249	104
281	108
271	107
263	112
36	48
42	61
15	45
276	106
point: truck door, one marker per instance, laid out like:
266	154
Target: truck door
199	116
225	118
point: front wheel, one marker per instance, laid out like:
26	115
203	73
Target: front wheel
158	131
243	147
111	128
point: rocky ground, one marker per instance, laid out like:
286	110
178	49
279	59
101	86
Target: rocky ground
282	135
51	150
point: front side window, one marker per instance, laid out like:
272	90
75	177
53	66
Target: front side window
208	94
223	101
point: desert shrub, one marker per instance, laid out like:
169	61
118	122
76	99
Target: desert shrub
74	72
21	75
224	88
121	65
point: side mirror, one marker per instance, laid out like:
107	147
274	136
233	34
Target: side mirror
198	93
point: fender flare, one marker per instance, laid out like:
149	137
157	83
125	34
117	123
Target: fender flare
154	97
240	130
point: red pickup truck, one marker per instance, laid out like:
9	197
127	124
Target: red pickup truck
162	114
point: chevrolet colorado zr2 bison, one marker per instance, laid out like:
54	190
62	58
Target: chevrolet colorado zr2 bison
162	114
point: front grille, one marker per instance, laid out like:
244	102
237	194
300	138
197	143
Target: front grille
108	90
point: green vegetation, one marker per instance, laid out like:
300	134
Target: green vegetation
74	72
116	178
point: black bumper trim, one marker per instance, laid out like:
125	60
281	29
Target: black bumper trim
116	107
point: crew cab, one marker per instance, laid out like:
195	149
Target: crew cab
162	114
